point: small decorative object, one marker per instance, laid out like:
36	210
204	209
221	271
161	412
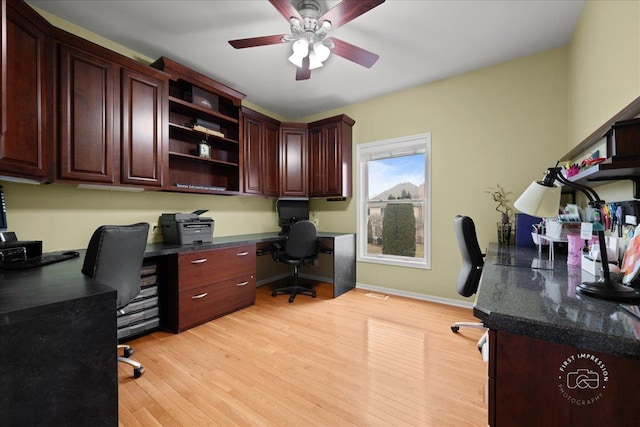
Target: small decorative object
500	196
204	150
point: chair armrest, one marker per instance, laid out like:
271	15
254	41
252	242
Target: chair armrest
275	249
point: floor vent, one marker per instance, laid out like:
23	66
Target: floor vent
374	295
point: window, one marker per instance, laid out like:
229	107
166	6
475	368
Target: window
394	201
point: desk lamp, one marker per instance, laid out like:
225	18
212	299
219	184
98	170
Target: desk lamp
542	199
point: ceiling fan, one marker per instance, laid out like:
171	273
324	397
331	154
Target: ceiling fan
309	29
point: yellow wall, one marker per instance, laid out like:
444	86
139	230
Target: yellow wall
503	124
604	65
498	125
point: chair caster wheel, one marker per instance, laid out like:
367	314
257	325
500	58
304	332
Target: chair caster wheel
290	299
137	372
128	352
274	293
455	329
313	295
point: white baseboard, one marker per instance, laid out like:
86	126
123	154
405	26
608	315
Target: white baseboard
379	289
414	295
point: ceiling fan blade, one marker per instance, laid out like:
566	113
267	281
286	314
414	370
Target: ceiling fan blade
348	10
353	53
257	41
286	9
303	73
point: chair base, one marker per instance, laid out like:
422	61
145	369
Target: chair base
293	291
456	326
127	351
483	344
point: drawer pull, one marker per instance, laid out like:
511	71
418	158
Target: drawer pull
242	253
245	283
199	261
202	295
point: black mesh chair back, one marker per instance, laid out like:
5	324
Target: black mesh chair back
114	258
302	240
472	256
301	248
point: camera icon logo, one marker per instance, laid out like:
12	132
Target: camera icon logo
582	379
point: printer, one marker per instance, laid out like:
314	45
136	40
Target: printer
186	228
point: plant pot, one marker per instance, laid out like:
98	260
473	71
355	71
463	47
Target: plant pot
504	233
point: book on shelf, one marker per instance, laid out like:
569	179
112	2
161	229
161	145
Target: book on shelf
208	131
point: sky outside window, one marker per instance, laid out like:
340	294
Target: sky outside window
383	174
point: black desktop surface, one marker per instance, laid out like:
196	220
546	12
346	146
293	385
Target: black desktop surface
39	261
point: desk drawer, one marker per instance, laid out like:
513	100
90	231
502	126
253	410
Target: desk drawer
199	268
199	305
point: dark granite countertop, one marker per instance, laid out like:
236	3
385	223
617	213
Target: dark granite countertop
543	303
159	249
33	292
26	294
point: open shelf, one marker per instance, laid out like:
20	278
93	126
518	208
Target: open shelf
221	171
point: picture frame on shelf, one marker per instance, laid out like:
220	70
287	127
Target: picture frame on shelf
204	150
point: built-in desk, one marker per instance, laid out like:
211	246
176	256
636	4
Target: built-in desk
341	245
57	348
556	357
58	334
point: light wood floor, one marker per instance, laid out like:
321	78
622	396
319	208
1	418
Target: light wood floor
356	360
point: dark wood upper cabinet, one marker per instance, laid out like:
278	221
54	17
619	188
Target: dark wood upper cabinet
294	178
261	170
25	110
111	116
330	157
142	128
86	116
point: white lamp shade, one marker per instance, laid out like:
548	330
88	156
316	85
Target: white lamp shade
321	51
301	47
540	200
300	50
314	61
296	60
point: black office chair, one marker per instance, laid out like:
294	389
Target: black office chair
114	258
301	248
471	270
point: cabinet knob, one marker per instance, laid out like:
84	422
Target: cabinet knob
199	296
199	261
242	253
245	283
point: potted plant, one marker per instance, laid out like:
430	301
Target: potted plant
501	197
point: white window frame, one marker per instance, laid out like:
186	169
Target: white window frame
396	147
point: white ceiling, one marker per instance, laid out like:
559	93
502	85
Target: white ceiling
419	41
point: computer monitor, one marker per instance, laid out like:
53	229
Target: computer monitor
290	211
3	211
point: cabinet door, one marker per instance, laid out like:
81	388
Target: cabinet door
332	160
317	162
260	155
293	162
252	155
270	163
141	107
25	106
330	157
86	112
